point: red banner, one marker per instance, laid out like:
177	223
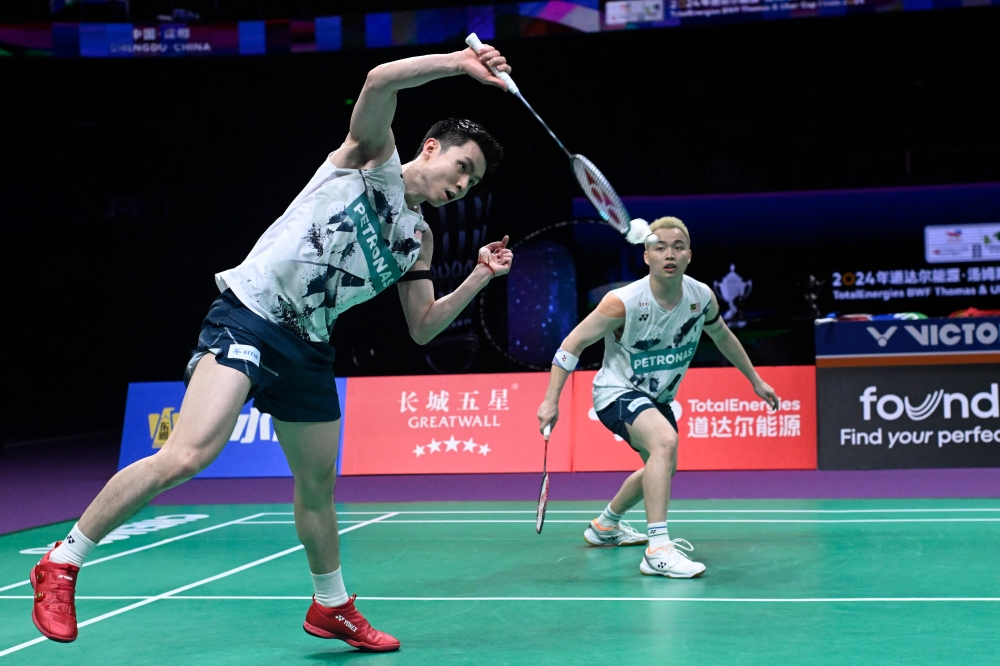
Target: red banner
487	423
450	424
722	423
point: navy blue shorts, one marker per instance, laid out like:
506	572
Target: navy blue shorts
626	407
292	379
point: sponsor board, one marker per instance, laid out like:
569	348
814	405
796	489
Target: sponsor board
722	423
910	416
899	342
152	411
962	242
452	424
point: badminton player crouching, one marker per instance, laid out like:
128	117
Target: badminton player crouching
651	329
353	231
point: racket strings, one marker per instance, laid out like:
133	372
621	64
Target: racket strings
601	194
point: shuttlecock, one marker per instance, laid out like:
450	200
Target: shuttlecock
638	231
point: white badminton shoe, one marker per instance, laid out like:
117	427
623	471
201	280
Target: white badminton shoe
622	535
671	561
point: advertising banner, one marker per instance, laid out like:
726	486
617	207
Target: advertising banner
152	411
722	423
914	342
451	424
917	416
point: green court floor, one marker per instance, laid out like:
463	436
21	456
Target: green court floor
788	582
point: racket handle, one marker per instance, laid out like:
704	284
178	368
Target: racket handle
473	41
547	431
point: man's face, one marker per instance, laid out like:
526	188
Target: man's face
448	173
670	256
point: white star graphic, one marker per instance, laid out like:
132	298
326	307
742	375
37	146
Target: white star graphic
484	449
419	451
451	444
434	446
470	445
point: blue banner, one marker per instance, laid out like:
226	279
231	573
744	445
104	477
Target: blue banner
908	337
152	411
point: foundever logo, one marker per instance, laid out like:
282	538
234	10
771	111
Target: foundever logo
891	407
957	405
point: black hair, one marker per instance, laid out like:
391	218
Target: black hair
452	132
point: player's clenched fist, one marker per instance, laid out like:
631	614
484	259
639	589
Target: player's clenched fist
477	65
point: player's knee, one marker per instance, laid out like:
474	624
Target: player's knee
662	446
317	483
181	466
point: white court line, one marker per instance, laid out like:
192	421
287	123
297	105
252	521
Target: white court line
641	520
151	545
189	586
28	596
672	511
766	600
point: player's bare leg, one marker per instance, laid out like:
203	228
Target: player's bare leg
311	450
211	405
608	529
656	440
629	494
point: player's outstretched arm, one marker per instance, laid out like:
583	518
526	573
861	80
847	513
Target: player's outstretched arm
608	317
731	348
426	317
370	142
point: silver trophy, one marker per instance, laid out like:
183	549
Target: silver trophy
734	290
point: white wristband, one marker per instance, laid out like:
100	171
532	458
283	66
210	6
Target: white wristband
565	360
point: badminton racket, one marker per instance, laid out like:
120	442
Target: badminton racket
543	494
593	183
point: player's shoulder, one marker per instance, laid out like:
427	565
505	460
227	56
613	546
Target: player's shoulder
392	165
632	290
697	288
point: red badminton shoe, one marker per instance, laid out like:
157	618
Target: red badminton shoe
54	609
345	623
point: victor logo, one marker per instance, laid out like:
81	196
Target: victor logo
949	335
983	405
882	338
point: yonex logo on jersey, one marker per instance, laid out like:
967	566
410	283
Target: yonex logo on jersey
644	317
662	359
244	353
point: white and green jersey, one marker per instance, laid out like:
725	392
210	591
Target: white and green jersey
655	347
347	236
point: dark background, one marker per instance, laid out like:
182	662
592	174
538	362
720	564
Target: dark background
128	183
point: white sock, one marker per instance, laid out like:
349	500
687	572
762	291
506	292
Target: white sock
659	537
74	549
330	589
609	518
